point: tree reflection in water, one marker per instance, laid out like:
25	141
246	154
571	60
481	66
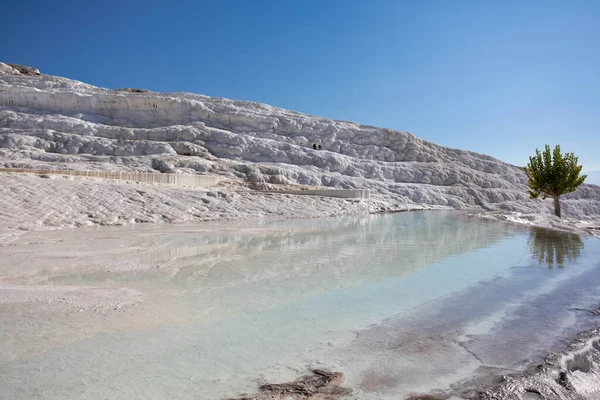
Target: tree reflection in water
553	247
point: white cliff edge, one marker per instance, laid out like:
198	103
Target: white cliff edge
48	122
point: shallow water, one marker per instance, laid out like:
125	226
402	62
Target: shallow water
401	304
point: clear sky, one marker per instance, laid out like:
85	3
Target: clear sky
497	77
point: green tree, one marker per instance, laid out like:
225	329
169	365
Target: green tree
552	174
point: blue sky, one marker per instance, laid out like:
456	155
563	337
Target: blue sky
497	77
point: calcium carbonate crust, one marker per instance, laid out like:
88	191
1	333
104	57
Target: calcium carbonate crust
57	123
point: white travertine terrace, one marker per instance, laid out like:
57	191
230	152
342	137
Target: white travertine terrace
49	122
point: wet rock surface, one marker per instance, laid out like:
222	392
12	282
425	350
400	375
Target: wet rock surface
571	374
320	385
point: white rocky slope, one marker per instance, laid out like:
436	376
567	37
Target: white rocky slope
57	123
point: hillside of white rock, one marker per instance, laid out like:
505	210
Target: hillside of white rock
49	122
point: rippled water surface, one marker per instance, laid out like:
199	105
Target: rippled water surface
400	304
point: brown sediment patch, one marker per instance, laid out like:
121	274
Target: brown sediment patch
321	385
373	380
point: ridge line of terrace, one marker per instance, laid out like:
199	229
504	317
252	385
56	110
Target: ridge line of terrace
185	180
142	177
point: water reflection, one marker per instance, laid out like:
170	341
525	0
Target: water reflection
309	255
553	248
278	262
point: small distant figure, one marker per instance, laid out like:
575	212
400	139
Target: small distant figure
319	147
314	146
273	129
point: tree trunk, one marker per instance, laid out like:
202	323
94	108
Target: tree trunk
556	206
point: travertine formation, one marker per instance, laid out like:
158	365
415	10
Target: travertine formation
48	122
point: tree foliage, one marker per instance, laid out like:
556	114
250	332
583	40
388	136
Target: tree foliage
552	174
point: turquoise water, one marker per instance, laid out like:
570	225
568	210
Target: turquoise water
399	303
